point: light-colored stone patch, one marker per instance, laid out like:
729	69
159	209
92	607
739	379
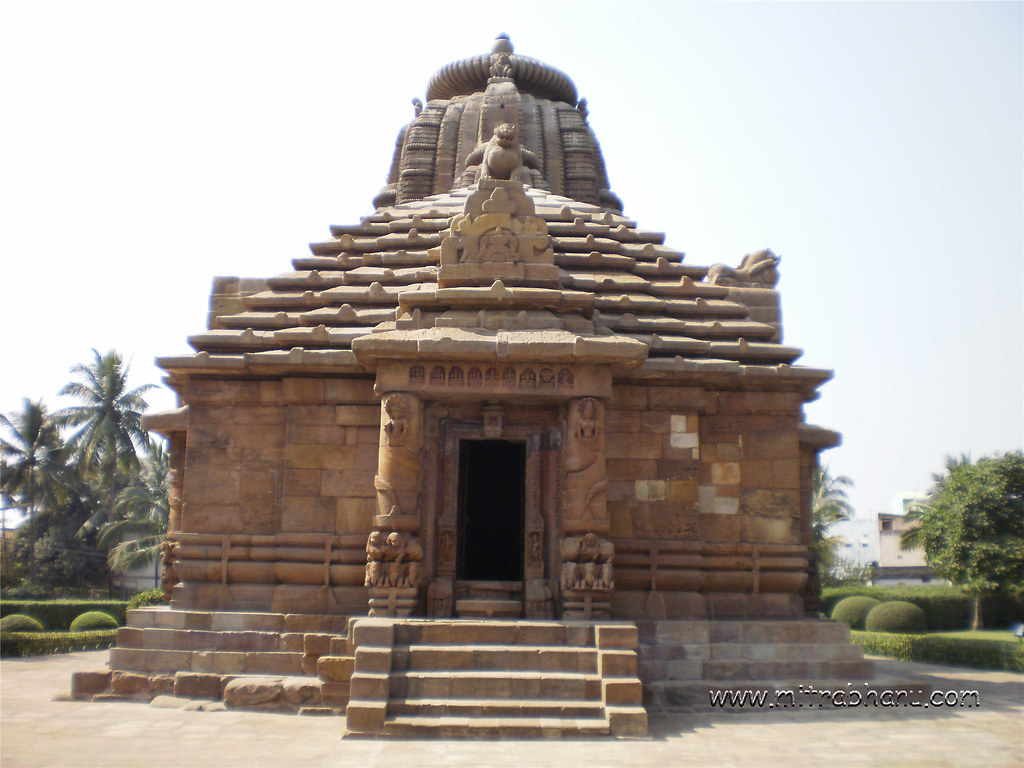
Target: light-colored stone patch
684	432
706	495
649	490
725	473
726	506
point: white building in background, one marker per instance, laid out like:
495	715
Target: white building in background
858	539
873	539
896	565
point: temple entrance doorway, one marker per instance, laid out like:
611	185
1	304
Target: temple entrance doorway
492	479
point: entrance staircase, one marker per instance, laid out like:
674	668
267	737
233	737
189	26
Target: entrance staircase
490	679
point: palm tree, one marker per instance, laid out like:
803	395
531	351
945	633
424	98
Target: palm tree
137	538
829	505
109	420
33	466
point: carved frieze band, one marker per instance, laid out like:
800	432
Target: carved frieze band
493	378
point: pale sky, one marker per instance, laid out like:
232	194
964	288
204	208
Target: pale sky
878	148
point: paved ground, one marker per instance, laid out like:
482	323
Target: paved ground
37	730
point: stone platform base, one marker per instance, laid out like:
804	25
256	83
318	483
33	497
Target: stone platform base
286	662
681	661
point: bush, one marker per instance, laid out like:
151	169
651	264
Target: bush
146	597
853	610
45	643
19	622
978	654
58	614
896	616
93	620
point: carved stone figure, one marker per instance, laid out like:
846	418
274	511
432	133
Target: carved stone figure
586	472
756	269
168	576
393	562
587	564
502	157
397	409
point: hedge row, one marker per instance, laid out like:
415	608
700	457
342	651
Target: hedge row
979	654
944	607
45	643
58	614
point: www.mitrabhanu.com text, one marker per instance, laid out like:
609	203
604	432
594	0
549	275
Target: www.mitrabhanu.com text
810	697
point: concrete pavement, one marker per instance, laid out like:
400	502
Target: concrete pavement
38	729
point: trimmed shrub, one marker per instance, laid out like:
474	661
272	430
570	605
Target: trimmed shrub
853	610
93	620
45	643
19	622
975	653
146	597
58	614
896	616
945	607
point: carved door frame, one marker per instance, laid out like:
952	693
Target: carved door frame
540	509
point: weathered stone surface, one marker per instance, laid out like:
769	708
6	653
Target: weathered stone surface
86	684
253	692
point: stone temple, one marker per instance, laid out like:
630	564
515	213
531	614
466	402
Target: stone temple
496	415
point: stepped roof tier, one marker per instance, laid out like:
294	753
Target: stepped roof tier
614	282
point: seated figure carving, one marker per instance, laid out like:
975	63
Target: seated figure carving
502	157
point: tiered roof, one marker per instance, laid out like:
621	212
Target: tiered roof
618	287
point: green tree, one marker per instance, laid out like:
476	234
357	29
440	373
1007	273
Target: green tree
33	465
108	425
144	508
972	525
829	505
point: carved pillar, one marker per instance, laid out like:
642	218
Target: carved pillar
169	549
586	570
393	553
586	476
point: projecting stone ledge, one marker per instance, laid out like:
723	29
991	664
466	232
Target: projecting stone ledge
465	344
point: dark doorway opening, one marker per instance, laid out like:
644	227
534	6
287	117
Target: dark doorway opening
492	478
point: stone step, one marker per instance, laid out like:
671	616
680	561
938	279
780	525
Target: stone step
493	684
494	632
488	608
751	651
484	707
199	639
218	662
799	631
494	727
740	670
164	617
495	657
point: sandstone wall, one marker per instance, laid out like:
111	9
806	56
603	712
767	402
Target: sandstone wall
705	502
278	492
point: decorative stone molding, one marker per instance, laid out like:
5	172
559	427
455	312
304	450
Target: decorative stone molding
498	236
